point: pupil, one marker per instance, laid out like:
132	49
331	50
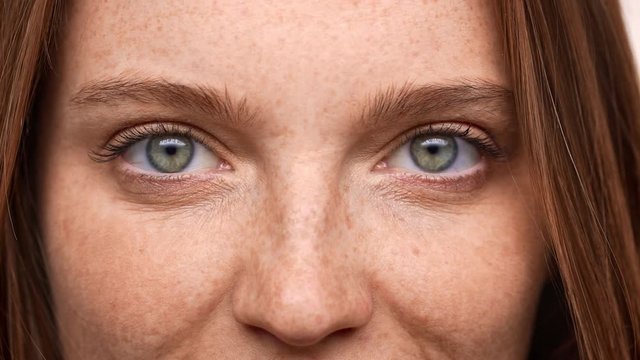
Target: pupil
433	149
171	150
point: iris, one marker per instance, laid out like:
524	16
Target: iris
169	154
434	153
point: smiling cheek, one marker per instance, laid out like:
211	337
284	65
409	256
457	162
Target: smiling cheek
466	281
127	278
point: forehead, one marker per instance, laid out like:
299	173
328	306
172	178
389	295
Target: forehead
299	50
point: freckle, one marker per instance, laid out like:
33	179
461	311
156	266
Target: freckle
415	251
348	222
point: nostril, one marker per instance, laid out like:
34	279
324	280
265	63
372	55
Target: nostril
302	324
343	333
296	331
301	338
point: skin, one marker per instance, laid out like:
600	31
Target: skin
306	244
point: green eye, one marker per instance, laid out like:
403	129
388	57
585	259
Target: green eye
433	153
169	153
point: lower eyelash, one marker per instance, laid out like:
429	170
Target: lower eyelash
467	180
129	136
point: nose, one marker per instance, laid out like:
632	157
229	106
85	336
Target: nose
299	305
301	284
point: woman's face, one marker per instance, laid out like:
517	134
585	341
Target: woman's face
290	180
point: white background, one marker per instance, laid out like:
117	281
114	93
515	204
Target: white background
631	11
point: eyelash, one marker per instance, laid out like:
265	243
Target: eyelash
483	142
127	137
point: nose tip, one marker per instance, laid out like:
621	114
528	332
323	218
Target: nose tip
305	322
305	314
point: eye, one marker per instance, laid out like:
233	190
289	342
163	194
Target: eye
170	154
435	154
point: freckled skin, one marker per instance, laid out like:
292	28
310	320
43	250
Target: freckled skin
302	258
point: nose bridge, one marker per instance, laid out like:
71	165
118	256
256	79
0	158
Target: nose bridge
309	201
302	284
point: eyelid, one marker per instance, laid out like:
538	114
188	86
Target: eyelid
125	138
480	138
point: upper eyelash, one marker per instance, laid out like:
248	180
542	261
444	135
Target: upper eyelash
119	143
486	144
127	137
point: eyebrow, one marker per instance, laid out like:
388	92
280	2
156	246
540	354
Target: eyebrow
115	91
425	101
408	100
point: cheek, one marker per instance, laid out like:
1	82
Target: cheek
469	278
125	277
